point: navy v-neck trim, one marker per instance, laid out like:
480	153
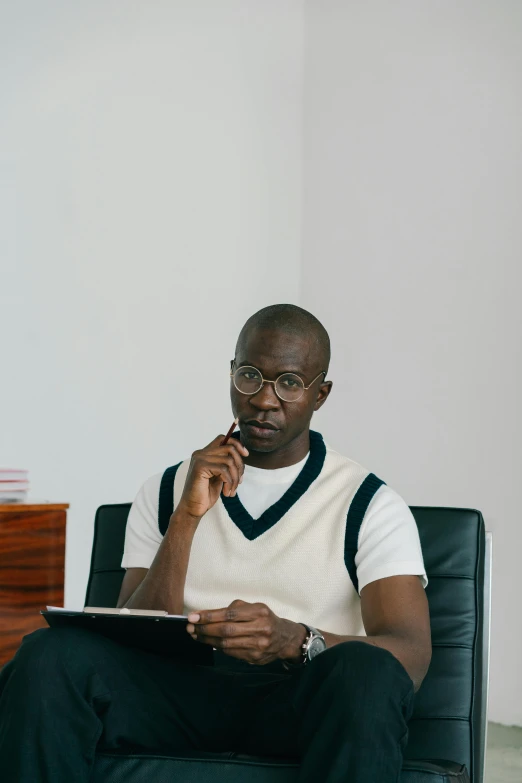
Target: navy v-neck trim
253	528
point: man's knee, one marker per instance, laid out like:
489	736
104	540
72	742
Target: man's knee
49	648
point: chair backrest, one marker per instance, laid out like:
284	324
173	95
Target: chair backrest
449	716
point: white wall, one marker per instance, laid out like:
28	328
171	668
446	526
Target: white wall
150	191
412	243
151	168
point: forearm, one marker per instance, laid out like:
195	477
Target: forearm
410	652
164	585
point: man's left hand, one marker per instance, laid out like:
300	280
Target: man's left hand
251	632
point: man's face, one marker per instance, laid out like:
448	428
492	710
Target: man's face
266	422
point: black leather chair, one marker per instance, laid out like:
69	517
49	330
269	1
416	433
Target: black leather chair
447	731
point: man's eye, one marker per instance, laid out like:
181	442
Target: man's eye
290	382
250	376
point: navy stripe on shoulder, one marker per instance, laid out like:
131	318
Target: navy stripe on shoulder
354	519
166	498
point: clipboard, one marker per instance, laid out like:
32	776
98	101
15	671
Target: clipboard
159	633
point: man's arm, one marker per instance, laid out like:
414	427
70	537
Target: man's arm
162	586
213	469
395	615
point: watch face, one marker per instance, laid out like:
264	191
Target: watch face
318	646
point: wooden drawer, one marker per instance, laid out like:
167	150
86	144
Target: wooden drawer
32	561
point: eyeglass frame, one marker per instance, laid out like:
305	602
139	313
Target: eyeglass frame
264	380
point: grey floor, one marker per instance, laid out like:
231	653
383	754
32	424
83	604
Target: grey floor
504	754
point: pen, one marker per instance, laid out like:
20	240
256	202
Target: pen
229	433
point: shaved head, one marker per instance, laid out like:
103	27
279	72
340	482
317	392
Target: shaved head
293	321
277	341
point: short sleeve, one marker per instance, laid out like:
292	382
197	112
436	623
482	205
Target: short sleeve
142	535
389	543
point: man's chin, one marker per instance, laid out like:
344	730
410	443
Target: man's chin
260	449
263	444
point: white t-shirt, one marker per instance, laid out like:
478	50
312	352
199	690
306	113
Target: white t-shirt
261	488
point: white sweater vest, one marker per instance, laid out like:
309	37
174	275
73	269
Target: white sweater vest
297	564
337	525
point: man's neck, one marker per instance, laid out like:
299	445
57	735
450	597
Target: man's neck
287	455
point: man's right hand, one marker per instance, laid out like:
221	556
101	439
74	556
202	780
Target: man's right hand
211	470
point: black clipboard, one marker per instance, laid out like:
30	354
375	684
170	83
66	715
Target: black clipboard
161	635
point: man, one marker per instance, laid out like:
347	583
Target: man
302	569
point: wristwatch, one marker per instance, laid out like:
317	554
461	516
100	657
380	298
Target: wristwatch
313	644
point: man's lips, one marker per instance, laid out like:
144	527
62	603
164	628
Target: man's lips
261	424
263	429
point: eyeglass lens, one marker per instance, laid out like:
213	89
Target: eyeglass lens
288	387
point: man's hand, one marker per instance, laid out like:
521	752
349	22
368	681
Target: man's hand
251	632
211	470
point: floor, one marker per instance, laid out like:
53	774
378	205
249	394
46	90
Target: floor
504	754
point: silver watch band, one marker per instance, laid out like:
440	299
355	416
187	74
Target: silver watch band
312	633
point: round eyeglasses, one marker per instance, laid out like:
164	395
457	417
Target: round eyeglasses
289	387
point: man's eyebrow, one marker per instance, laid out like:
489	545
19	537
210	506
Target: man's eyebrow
248	363
277	373
294	372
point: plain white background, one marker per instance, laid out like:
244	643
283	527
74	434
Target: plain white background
151	177
151	196
412	240
167	168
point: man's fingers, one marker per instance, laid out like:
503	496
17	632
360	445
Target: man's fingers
224	468
240	466
234	470
242	630
231	454
250	643
228	630
237	446
233	443
223	472
234	453
238	611
221	643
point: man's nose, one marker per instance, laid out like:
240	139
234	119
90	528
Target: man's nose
266	398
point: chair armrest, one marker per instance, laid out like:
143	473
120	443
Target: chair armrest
433	771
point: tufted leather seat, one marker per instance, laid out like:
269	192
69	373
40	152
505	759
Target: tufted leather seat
447	730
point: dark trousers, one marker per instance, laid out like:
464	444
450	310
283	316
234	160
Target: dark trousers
68	692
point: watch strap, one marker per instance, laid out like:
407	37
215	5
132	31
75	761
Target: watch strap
312	633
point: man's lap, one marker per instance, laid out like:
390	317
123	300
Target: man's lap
157	702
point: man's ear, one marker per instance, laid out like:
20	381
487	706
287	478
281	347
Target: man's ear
323	394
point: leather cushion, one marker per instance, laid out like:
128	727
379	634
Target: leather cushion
232	768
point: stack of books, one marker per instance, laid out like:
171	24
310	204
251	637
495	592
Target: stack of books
14	485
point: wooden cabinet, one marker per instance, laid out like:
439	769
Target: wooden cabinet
32	560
